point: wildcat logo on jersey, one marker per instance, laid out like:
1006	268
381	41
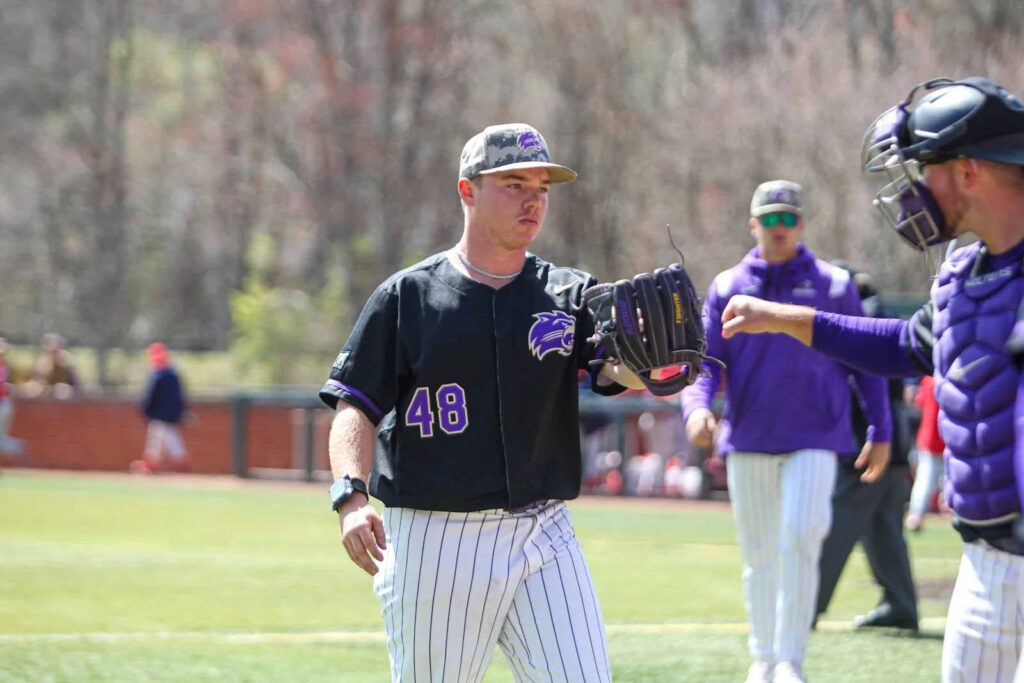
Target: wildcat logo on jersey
553	331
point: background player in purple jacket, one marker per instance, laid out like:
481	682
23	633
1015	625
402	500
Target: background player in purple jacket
464	366
788	408
953	156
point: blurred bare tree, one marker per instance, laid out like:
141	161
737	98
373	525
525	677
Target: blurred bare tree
148	149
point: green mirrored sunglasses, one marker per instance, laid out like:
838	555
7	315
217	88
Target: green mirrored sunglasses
770	220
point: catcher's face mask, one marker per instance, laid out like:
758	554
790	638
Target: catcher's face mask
905	202
974	118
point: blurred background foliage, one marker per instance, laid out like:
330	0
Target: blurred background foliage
237	175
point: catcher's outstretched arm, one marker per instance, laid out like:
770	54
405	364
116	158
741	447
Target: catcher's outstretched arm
756	316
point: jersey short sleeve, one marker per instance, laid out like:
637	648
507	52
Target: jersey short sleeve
587	351
367	370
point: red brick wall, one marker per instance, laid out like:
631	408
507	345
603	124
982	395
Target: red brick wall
98	433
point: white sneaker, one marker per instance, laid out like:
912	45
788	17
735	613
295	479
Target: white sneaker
759	672
789	672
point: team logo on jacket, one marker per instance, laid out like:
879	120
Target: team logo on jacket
552	331
805	288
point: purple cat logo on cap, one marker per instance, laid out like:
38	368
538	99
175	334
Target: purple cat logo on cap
782	196
776	195
553	331
529	140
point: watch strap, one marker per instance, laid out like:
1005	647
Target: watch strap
360	486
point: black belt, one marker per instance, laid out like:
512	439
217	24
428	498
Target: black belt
1014	546
998	536
529	507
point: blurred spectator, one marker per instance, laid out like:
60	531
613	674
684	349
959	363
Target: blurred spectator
163	404
8	445
928	477
644	474
872	512
684	481
54	372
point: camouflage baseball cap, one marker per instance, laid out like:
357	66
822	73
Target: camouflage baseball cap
506	147
777	195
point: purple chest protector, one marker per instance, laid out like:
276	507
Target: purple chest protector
976	384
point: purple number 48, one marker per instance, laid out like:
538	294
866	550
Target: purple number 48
452	414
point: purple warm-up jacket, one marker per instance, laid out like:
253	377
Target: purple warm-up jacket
782	396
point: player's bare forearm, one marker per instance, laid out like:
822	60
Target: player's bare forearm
351	450
621	375
750	315
350	445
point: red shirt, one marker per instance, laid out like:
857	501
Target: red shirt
3	379
928	437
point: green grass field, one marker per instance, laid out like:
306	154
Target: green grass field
108	578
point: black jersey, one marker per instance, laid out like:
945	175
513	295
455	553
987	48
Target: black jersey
474	390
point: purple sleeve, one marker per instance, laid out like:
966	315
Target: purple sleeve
875	391
879	346
872	389
702	392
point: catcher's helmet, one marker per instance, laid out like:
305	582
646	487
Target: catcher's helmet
974	118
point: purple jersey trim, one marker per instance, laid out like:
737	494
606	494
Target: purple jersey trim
873	345
358	394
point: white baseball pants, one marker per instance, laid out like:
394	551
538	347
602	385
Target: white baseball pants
164	437
927	479
454	584
783	511
985	622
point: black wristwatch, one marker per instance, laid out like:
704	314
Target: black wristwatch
344	488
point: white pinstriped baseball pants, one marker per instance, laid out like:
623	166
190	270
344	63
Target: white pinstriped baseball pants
783	511
454	584
985	621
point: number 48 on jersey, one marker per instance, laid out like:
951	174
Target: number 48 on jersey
449	406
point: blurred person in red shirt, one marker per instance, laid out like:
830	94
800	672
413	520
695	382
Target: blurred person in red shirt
163	404
928	477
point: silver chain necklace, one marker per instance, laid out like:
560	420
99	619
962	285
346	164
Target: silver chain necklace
483	272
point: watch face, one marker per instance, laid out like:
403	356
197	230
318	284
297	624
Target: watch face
341	491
